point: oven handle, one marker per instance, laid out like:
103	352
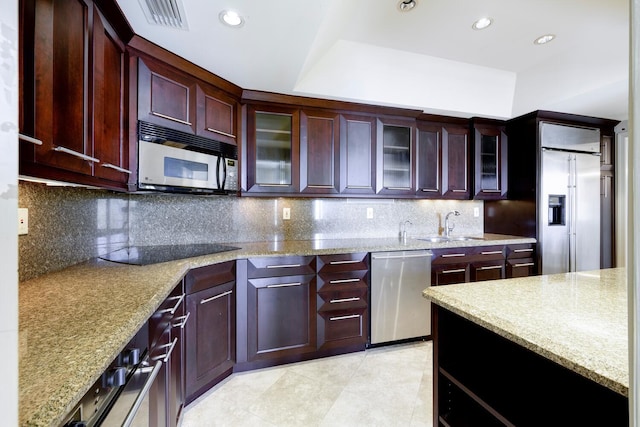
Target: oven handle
145	390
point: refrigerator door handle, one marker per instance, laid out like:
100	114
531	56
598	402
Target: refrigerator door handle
573	180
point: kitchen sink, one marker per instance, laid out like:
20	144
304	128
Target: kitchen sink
438	239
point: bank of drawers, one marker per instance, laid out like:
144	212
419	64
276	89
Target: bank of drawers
342	300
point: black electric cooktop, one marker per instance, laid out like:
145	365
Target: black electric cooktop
144	255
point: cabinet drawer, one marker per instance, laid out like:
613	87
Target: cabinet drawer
343	281
342	300
280	266
169	312
521	267
335	329
488	253
343	262
202	278
526	250
491	270
450	273
451	255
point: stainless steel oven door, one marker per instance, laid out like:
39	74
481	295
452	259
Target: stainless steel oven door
163	165
131	408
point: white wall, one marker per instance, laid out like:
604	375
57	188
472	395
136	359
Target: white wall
9	211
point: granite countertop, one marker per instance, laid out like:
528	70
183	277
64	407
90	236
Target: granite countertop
75	321
578	320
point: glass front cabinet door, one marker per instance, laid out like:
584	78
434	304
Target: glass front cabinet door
490	146
395	156
273	150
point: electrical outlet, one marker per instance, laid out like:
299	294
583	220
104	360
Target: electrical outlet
476	212
369	213
23	221
286	213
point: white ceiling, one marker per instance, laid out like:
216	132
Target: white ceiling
428	59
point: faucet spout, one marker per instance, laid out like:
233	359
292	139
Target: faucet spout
404	230
448	228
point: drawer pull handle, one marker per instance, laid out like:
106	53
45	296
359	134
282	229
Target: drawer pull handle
344	281
523	250
359	187
490	267
175	307
273	185
215	297
458	270
221	133
184	319
173	119
118	168
335	301
452	255
524	264
351	316
321	186
490	252
76	154
165	357
398	188
29	139
285	285
284	266
349	261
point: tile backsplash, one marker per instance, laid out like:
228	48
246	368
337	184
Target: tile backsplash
68	225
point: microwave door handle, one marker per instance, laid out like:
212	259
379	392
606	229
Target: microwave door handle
218	172
224	172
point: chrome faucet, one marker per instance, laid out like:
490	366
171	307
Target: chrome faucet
449	228
403	230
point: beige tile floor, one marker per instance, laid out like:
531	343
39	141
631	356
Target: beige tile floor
384	386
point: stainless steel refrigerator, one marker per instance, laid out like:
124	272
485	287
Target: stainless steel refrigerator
569	205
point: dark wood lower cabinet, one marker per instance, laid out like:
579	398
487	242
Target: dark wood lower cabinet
483	379
210	334
279	315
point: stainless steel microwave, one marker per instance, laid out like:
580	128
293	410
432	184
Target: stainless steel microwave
174	161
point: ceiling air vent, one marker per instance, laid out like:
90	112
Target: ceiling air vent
168	13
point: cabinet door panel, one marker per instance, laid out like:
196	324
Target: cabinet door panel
490	148
395	156
319	146
358	158
61	66
108	102
216	115
210	336
429	161
455	158
166	97
281	316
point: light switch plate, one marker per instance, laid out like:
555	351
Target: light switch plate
286	213
369	213
476	212
23	221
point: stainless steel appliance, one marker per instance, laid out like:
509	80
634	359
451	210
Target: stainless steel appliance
398	310
174	161
569	206
117	397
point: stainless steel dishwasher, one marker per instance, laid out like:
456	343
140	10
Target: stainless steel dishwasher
398	310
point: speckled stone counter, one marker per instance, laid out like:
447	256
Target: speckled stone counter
75	321
578	320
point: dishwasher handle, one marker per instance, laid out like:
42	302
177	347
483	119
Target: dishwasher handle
428	254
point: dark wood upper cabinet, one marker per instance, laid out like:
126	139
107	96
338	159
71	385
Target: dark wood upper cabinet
319	152
455	162
395	156
72	95
429	161
490	160
358	155
166	96
216	114
272	152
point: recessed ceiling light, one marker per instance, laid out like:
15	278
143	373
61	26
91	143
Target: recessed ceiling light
544	39
231	18
482	23
407	5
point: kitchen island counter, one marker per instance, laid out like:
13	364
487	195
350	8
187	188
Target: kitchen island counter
575	320
74	322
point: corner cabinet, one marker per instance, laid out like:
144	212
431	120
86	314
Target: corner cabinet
72	95
490	160
211	332
273	150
